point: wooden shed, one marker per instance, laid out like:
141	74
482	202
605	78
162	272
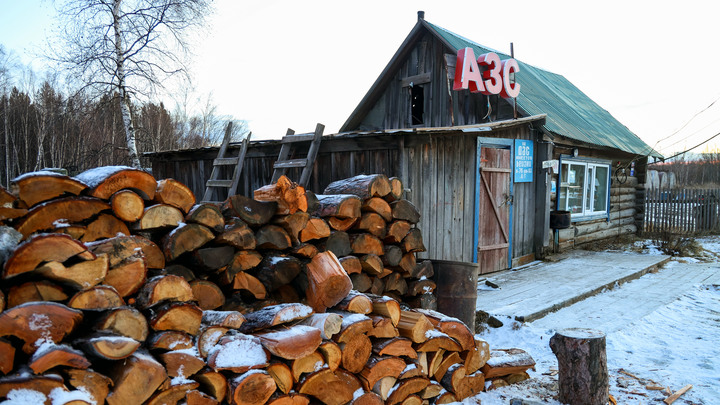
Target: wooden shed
484	171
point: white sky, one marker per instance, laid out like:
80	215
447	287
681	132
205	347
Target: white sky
283	63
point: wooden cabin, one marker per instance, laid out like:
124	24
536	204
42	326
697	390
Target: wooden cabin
484	171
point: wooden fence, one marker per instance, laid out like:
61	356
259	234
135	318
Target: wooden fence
682	211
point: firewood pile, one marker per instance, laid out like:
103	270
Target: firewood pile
119	288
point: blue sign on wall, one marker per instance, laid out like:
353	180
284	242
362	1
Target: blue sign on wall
523	161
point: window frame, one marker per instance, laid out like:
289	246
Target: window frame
587	163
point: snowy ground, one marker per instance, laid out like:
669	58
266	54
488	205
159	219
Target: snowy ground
655	336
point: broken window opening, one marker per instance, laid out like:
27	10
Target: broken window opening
417	104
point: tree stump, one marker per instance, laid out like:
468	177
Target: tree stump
582	364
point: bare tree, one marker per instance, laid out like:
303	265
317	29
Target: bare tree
128	47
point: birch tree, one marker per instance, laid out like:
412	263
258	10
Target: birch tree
128	48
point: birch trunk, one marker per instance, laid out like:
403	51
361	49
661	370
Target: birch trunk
125	97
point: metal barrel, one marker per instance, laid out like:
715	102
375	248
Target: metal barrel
457	289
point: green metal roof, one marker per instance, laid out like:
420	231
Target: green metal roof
570	112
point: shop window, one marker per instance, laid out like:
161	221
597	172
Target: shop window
584	188
417	104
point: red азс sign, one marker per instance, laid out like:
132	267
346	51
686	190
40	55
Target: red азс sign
486	74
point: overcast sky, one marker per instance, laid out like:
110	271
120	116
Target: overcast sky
285	63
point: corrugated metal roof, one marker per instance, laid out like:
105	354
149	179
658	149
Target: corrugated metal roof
570	112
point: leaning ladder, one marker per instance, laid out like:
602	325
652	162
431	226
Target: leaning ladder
231	184
283	163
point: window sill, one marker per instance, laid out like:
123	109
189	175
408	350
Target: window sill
586	218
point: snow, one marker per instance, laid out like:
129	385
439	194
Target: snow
351	319
36	174
289	333
432	333
95	176
298	311
673	343
9	239
59	396
240	351
24	396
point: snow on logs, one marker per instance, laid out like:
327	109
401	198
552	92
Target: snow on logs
121	289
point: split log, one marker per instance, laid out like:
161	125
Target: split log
206	214
312	362
291	343
352	324
36	187
393	255
281	373
277	270
365	243
94	383
290	196
159	216
226	319
396	346
405	388
172	394
124	321
380	367
109	347
35	291
411	370
355	302
341	224
169	340
103	227
288	399
127	276
360	281
332	354
423	269
37	322
272	237
135	379
412	242
384	387
325	386
475	358
414	326
7	356
363	186
207	294
181	363
254	213
79	276
244	260
305	250
367	398
396	189
175	193
251	388
405	210
372	264
246	282
164	288
387	307
504	362
208	337
453	327
338	242
213	382
382	327
442	362
338	205
120	248
127	205
328	323
106	181
408	263
43	384
238	235
418	287
356	352
46	247
237	353
97	298
432	390
582	363
372	223
452	379
351	264
397	231
274	315
396	283
378	206
49	356
212	258
185	238
180	316
316	228
438	340
293	224
328	283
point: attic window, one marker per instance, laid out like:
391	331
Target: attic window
417	104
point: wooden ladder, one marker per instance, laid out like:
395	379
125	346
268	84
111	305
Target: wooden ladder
221	160
283	163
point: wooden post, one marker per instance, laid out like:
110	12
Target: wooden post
582	364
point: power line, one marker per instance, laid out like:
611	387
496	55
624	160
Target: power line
698	145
